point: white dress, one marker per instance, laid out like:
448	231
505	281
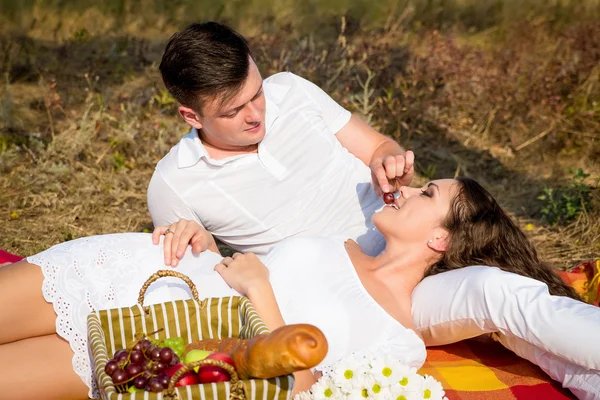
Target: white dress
313	279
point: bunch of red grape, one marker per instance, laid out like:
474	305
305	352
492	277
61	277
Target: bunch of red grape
142	367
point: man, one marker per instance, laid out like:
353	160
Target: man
264	160
272	159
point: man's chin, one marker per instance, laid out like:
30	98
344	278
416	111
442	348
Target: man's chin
255	138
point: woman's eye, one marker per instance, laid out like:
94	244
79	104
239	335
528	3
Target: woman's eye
425	193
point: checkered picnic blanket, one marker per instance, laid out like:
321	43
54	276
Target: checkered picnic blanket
484	370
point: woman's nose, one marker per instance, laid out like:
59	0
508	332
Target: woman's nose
407	192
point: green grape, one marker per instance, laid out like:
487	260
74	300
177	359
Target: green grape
133	389
176	344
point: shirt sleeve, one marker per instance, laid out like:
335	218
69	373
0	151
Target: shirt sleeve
165	206
334	115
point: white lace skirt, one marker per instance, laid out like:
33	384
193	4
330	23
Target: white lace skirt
103	272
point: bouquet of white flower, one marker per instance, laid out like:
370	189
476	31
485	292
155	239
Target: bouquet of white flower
374	377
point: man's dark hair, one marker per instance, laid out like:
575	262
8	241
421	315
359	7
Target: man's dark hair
205	61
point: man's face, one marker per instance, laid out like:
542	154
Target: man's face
238	124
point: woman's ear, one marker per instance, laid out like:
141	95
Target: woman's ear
190	116
439	240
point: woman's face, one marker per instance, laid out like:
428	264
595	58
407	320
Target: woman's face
419	212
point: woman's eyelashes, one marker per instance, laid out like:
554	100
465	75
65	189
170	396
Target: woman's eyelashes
425	193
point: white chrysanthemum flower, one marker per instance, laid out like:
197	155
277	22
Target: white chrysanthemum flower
362	386
379	391
411	381
398	392
303	396
324	389
357	395
348	373
432	389
388	370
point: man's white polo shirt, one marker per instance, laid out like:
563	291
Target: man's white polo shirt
301	181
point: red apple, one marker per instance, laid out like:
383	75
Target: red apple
211	373
189	378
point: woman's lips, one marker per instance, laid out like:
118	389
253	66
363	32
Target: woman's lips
395	203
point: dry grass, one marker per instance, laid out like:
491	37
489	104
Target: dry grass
84	117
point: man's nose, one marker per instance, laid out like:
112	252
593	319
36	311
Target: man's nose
253	113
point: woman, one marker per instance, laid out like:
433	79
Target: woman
330	283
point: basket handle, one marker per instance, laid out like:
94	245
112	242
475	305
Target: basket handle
237	387
165	273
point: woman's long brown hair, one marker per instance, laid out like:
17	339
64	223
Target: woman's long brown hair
482	234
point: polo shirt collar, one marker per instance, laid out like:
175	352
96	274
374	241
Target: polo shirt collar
191	149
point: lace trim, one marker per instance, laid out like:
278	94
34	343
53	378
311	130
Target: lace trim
65	328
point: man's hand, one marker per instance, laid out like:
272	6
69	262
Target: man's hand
177	238
392	171
243	272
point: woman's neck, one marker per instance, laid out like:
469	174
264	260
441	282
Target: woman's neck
390	278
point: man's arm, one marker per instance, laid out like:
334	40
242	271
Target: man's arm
169	211
165	206
390	164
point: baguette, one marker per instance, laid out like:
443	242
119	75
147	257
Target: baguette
288	349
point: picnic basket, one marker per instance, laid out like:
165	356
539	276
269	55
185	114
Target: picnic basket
193	320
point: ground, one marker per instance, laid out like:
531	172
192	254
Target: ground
515	104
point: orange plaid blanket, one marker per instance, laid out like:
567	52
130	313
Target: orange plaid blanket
484	370
481	369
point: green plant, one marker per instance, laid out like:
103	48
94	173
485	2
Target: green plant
119	160
563	205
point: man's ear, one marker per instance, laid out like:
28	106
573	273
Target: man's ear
439	240
190	116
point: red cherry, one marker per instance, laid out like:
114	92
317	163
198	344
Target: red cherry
388	198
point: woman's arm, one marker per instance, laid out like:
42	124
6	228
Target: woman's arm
263	299
249	276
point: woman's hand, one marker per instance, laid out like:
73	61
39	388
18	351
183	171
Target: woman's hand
179	235
243	272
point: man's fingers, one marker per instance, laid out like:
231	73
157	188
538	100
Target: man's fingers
175	240
167	248
410	161
156	235
236	255
400	164
197	244
186	237
379	173
390	167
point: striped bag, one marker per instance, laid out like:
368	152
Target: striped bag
193	320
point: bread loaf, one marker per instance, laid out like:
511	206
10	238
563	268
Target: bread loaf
287	349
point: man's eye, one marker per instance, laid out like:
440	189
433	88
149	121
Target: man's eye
257	95
230	115
425	193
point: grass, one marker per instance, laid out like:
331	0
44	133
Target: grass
505	92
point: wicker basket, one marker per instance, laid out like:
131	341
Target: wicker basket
111	330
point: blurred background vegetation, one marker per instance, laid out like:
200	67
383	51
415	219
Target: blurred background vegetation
504	91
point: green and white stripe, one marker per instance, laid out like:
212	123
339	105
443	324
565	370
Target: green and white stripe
111	330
